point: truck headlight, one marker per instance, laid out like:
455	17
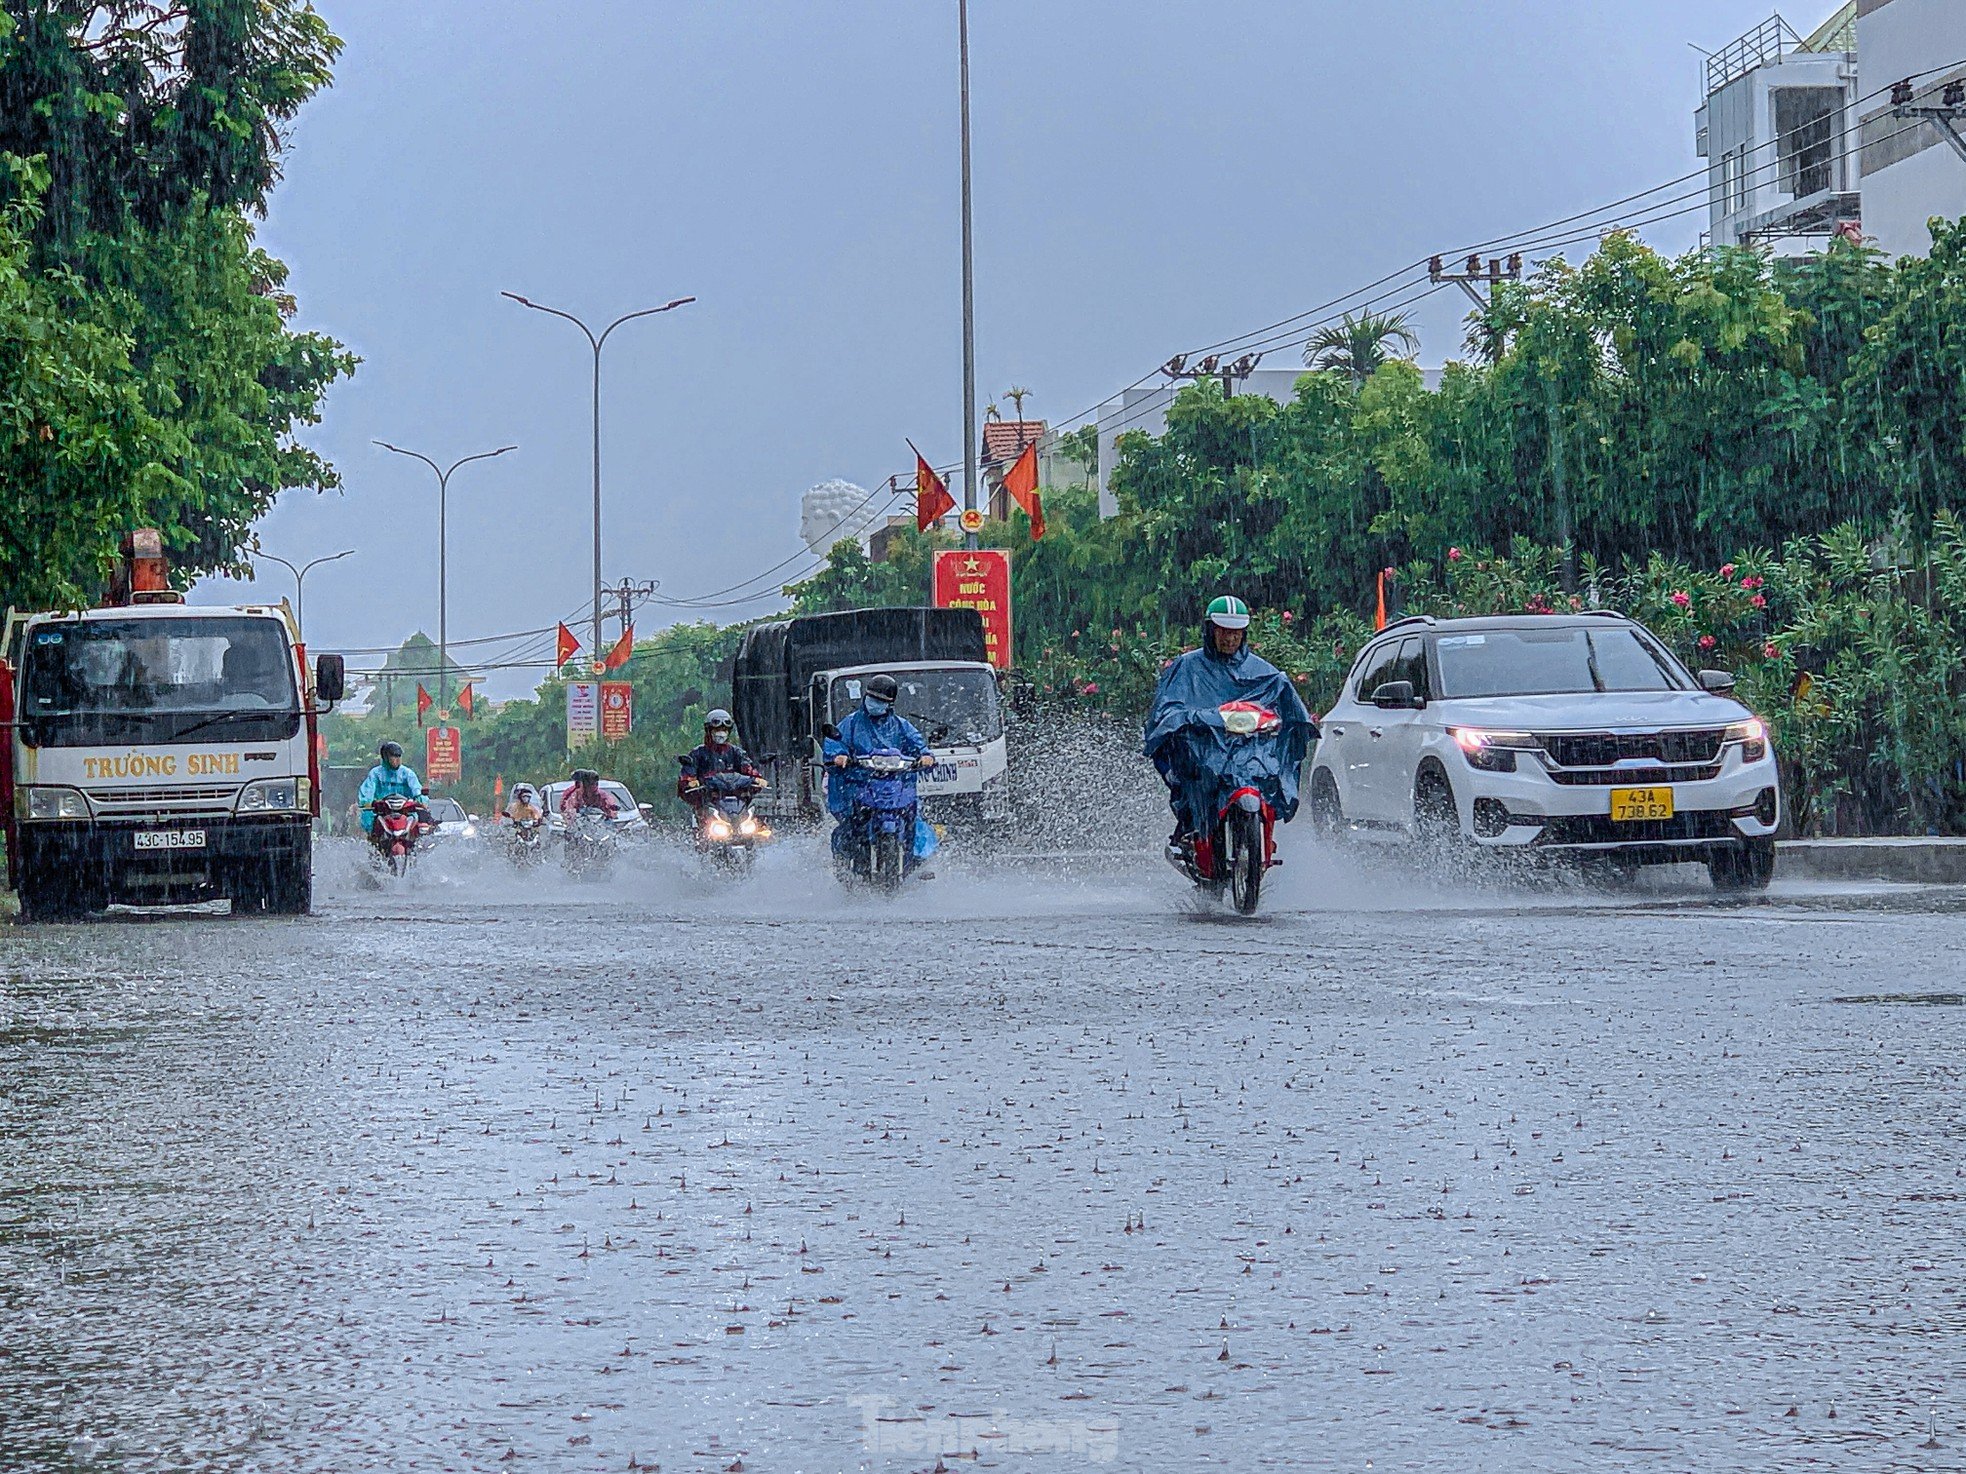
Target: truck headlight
53	803
270	795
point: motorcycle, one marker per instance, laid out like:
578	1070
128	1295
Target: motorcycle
525	842
877	840
727	832
589	846
400	823
1241	843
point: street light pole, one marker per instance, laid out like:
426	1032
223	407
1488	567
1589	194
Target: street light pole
300	577
443	552
969	297
597	343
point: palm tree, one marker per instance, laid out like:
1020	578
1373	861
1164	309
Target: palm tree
1358	345
1017	396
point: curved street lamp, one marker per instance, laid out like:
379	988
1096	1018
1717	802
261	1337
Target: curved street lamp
597	343
443	547
300	578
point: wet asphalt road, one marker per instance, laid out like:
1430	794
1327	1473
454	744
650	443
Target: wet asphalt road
1050	1168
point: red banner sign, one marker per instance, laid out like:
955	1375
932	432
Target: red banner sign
443	755
617	709
979	581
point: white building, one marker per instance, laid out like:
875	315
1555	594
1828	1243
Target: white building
1776	130
1911	171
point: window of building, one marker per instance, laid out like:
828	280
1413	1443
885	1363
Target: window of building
1805	133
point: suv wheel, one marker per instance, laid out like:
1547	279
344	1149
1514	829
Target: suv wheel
1748	866
1327	812
1436	821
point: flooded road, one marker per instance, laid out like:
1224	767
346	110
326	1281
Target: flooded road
1050	1169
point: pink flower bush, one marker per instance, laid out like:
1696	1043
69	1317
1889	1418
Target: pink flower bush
1752	581
1286	616
1454	555
1759	601
1683	599
1727	570
1769	652
1707	642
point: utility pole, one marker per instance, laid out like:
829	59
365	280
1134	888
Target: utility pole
969	297
627	594
443	544
597	343
1951	108
1561	480
1212	367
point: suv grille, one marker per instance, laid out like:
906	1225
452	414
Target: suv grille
1605	777
1601	749
1692	824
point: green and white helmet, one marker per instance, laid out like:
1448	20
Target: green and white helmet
1227	611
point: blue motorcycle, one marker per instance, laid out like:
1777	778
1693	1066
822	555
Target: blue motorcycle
877	839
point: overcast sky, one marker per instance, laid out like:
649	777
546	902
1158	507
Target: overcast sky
1150	176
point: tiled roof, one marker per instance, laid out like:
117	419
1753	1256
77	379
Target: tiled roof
1003	440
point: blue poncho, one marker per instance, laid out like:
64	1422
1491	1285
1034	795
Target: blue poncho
1199	759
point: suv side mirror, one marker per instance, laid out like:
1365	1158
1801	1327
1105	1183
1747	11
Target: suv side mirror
1397	696
1720	682
330	678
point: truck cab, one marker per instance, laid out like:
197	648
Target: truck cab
158	753
959	712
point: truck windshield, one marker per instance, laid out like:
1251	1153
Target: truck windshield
950	707
96	682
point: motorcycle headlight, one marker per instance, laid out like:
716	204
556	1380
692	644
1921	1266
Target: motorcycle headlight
53	803
718	829
747	825
270	795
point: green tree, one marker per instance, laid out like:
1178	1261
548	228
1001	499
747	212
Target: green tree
1357	346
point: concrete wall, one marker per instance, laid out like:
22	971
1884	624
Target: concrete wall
1909	178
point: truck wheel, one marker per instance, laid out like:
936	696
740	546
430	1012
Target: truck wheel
46	897
289	886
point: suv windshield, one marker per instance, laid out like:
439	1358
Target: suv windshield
1561	660
92	682
957	707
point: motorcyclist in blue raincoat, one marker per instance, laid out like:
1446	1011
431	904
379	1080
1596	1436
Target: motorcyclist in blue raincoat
1186	720
873	726
389	778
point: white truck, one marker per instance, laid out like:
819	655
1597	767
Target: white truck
158	753
792	678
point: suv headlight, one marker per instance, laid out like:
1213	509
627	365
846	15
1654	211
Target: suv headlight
272	795
52	803
1492	752
1753	737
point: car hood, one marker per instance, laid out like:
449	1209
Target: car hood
1609	712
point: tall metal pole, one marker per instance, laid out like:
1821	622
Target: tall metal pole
443	555
300	580
969	296
597	342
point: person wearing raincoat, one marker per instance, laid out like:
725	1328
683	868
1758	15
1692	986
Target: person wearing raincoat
389	778
1183	737
874	726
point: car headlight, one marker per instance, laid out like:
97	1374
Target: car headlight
1492	752
271	795
53	803
1753	737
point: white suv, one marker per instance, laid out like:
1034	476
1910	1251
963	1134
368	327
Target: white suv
1579	734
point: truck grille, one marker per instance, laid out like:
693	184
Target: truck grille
145	798
1602	749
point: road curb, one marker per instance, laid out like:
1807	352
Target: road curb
1927	861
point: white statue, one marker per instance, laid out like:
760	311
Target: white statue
835	510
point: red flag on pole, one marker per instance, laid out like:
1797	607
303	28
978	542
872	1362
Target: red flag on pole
568	644
1021	481
932	499
423	703
623	648
467	700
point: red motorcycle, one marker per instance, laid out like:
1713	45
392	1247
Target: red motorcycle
1241	844
400	823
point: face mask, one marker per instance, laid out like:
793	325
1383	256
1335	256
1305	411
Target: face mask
719	736
877	708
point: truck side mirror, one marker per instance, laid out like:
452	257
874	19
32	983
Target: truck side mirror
330	678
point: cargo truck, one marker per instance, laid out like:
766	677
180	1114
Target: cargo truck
793	678
159	753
